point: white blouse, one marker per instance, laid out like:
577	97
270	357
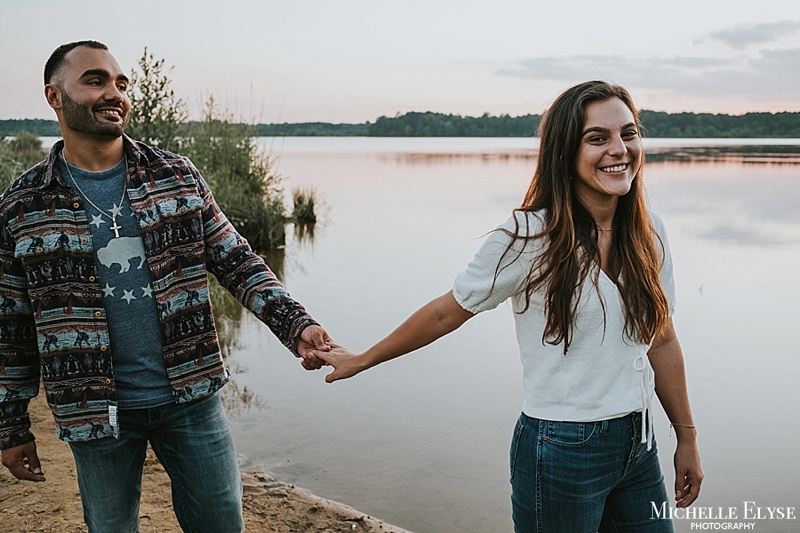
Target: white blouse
605	374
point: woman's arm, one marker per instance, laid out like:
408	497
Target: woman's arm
435	319
666	358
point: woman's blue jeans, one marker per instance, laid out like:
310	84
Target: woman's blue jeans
585	477
194	444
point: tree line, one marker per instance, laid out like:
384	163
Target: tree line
416	124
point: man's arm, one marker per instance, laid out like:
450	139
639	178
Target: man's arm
248	278
19	365
666	358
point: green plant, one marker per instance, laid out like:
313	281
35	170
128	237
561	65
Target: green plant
18	155
157	115
224	152
240	175
304	200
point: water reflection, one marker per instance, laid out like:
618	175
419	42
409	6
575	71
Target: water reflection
487	157
730	195
304	233
753	154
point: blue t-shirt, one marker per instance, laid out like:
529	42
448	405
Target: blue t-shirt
133	324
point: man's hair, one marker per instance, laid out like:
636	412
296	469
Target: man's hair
56	60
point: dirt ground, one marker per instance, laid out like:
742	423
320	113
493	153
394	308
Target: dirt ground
55	506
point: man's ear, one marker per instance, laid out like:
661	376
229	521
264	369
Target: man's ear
53	96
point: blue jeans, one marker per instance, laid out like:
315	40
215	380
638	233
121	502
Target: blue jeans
194	444
585	477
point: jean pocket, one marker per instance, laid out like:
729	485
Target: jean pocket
515	446
571	433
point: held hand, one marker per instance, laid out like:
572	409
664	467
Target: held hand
313	339
344	362
688	473
23	462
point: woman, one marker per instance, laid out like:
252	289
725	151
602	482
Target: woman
589	273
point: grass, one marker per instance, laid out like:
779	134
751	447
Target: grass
305	200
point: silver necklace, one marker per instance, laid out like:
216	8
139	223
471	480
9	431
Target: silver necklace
112	217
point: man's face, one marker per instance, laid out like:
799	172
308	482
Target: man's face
93	93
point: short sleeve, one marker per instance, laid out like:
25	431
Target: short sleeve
667	275
500	268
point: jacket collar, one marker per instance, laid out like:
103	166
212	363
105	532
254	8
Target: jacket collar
52	171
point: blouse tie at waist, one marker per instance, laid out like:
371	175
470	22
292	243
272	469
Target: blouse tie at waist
641	366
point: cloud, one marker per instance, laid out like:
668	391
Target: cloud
613	67
769	73
742	36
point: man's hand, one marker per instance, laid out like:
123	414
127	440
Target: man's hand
313	338
23	463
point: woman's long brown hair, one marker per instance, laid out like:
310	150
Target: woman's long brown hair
569	237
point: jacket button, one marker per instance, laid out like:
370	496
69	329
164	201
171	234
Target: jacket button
91	278
76	205
108	381
84	240
40	249
182	209
98	314
104	348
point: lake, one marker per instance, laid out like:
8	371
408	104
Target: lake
422	441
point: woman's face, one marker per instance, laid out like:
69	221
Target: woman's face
610	153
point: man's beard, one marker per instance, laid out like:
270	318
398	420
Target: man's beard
81	118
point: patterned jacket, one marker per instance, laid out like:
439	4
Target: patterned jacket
52	320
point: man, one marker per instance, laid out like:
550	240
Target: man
104	250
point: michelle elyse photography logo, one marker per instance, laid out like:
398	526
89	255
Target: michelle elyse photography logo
745	516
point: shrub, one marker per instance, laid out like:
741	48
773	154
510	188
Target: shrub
241	176
224	152
157	115
18	155
304	200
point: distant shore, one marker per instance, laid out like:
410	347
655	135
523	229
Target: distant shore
54	506
657	124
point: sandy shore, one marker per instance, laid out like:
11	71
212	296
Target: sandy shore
55	506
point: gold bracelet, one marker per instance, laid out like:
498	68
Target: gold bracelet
671	425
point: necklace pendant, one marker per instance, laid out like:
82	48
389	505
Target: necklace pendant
115	228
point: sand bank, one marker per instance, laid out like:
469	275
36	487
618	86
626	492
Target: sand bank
55	506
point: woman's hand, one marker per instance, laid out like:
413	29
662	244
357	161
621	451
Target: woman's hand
345	363
688	472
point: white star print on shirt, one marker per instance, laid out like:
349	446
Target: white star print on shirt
108	290
128	296
115	211
97	220
147	291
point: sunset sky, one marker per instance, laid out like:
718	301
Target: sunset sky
355	60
